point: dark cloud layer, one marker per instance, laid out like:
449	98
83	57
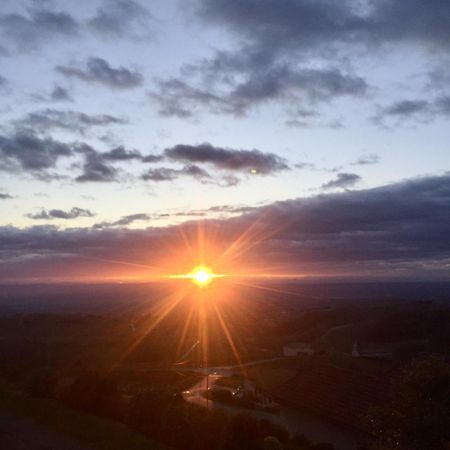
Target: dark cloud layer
5	196
99	71
399	230
227	159
73	213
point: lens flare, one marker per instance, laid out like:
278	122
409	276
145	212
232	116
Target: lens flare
202	276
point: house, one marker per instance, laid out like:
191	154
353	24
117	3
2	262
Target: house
373	351
298	349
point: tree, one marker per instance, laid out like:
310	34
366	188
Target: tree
418	417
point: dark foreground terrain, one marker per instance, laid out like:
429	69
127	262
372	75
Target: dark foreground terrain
108	366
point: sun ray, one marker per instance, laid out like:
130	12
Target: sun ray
251	236
258	286
228	336
117	261
201	275
161	314
242	239
184	331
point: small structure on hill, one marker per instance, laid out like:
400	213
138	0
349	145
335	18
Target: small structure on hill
298	349
373	351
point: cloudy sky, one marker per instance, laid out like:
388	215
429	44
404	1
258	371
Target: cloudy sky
326	121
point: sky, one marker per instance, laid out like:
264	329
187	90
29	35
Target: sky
317	129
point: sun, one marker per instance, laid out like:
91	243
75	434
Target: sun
201	275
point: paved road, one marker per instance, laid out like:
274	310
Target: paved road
316	429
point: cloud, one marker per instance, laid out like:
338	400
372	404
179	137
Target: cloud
152	158
399	230
227	159
442	105
121	154
342	181
3	82
118	18
178	98
29	152
324	25
168	174
160	174
305	165
295	54
125	220
75	121
222	210
98	71
74	213
5	196
29	30
4	52
95	168
366	160
26	151
407	108
60	94
418	110
57	95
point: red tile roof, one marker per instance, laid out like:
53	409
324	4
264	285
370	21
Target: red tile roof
340	394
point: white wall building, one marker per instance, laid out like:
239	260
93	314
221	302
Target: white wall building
298	349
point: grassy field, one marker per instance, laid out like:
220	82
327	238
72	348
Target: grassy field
98	433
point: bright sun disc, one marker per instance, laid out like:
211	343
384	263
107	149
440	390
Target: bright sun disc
202	276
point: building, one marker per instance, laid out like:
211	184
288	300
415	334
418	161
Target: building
298	349
373	351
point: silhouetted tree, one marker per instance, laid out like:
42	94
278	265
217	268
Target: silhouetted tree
418	417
